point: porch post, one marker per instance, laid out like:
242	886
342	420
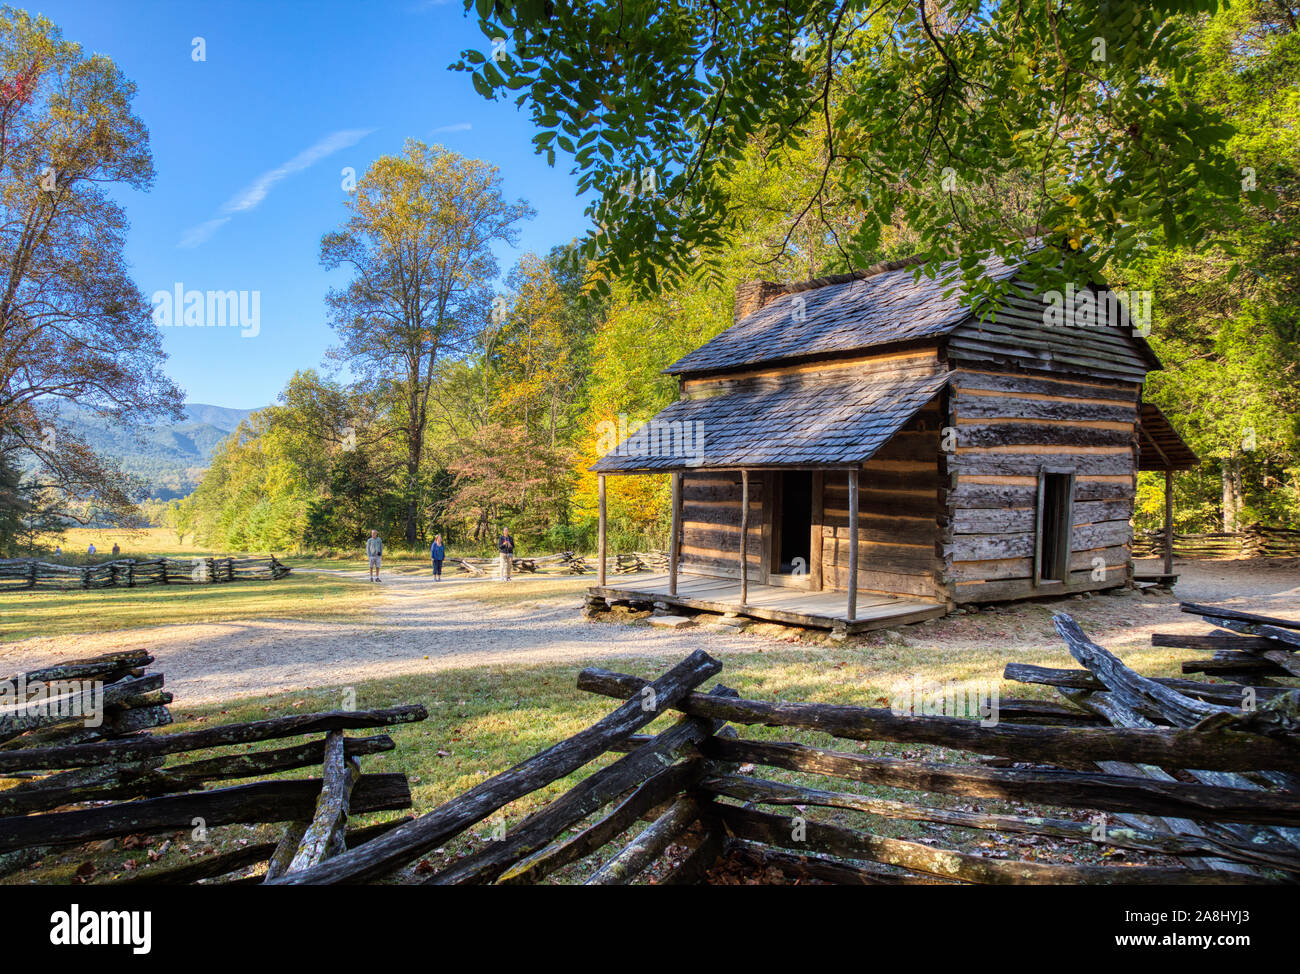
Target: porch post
744	536
1169	521
852	612
676	532
600	542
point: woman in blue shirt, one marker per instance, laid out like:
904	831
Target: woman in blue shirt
437	552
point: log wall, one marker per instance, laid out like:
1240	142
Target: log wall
897	519
711	523
1018	338
913	363
1011	425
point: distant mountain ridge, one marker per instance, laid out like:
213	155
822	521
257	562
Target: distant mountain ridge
172	457
222	417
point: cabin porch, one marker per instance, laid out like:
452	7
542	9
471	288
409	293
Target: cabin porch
773	603
768	520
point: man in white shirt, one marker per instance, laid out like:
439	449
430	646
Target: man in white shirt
374	552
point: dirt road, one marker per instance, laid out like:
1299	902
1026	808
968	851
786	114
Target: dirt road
421	629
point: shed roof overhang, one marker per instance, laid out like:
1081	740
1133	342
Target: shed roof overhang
1159	445
801	423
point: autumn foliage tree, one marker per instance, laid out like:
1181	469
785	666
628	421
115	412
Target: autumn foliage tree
1229	340
73	325
502	479
418	245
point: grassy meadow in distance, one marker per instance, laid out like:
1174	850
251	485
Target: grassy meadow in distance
301	595
25	615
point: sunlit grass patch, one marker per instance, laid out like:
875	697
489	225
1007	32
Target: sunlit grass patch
297	596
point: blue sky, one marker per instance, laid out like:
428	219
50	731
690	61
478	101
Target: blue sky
249	147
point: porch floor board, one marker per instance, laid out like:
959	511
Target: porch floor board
774	603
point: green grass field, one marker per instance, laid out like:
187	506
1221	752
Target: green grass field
301	595
304	595
24	615
145	543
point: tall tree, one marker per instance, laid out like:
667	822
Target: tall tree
501	478
73	325
1226	318
533	364
537	355
418	243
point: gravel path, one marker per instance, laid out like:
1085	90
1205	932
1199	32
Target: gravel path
1270	585
423	629
420	630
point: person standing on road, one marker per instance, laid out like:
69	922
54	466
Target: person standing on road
375	553
437	553
506	545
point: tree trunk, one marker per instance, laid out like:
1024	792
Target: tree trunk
414	443
1231	475
412	510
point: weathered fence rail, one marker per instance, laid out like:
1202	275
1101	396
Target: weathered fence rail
67	780
29	573
1257	541
1171	768
568	563
641	561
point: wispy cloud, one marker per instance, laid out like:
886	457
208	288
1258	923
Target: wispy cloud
458	127
199	234
252	195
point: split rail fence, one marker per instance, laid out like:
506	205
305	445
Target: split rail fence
567	563
1257	541
1199	781
64	782
28	573
1175	770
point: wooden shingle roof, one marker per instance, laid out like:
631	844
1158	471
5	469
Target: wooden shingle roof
889	306
1159	445
797	421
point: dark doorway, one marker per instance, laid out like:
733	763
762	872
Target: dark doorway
1055	514
796	522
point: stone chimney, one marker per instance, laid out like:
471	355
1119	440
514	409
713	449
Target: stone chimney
752	295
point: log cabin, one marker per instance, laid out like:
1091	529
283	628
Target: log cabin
862	450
